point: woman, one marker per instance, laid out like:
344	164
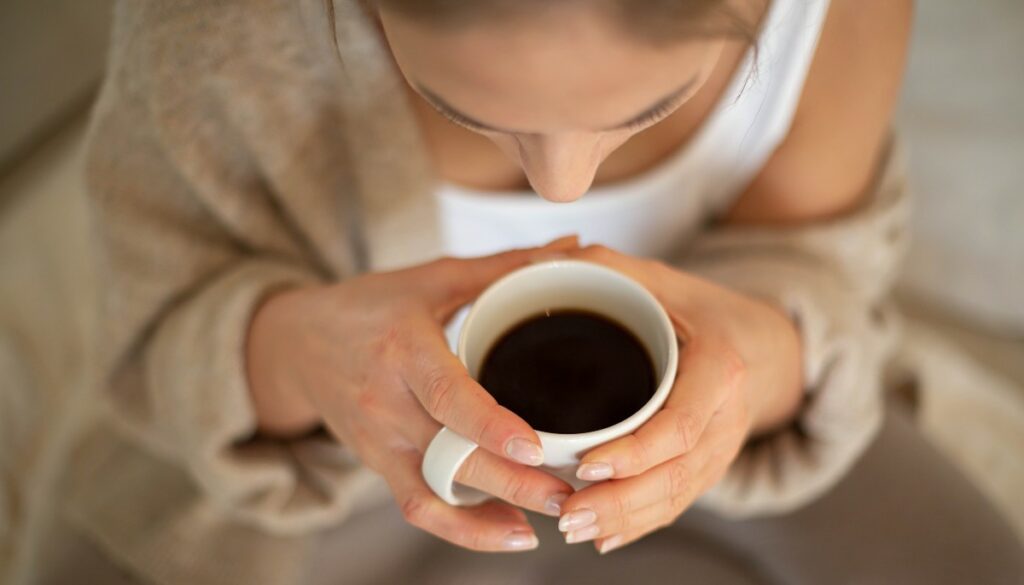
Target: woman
275	182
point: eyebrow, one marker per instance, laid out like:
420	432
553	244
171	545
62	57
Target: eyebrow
446	109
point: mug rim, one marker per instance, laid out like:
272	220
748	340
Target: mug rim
642	414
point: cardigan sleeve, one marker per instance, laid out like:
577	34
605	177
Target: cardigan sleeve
193	230
832	279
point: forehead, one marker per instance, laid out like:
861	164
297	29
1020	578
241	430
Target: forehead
562	69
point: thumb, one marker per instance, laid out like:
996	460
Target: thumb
457	281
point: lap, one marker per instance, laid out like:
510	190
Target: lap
903	515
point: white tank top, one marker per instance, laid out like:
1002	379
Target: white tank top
654	213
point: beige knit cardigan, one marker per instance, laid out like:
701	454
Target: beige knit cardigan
234	150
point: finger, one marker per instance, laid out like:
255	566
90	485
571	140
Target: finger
492	526
453	398
453	282
642	521
676	289
617	534
605	545
638	268
525	487
640	511
709	373
678	481
609	507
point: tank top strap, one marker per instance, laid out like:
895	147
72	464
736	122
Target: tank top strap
756	111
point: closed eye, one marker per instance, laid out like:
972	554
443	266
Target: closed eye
460	120
661	109
655	114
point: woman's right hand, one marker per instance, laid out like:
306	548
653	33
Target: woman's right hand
368	358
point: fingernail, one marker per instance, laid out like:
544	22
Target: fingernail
582	535
524	452
520	541
609	544
577	519
594	471
554	504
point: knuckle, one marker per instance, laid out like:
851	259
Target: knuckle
639	456
447	273
388	342
518	490
620	505
473	540
416	509
624	523
678	480
598	251
455	289
438	394
473	537
487	426
470	471
368	402
677	504
734	366
687	429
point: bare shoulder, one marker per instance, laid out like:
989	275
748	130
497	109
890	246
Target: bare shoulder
828	158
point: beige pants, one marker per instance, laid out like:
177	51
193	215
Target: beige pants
904	516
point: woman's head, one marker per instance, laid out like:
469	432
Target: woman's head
559	85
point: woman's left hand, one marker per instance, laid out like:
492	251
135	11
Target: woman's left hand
739	374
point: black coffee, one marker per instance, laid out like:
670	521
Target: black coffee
569	372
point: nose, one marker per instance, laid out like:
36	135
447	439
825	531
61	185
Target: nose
562	166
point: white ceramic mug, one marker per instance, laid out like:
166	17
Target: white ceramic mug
530	291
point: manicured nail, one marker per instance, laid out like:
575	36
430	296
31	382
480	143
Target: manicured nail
520	541
577	519
594	471
582	535
609	544
524	452
554	504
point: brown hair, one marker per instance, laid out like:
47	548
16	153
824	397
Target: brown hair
654	21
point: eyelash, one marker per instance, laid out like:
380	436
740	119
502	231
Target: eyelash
653	116
460	121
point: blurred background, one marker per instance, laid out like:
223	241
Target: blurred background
961	116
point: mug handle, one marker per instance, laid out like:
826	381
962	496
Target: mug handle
446	453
